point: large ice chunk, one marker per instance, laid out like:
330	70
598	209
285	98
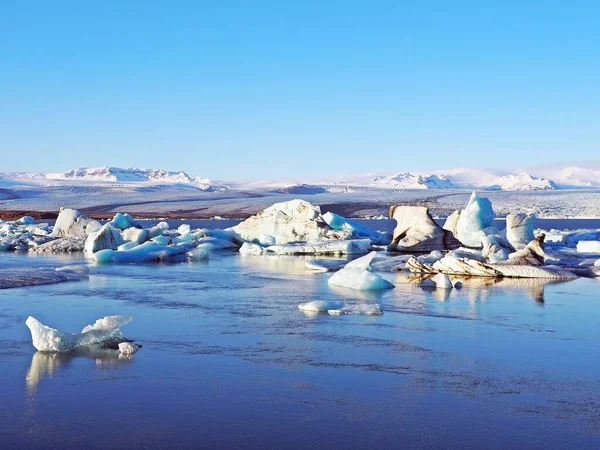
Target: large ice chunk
293	221
106	237
71	223
148	251
588	246
355	229
475	221
519	229
349	247
357	275
103	331
416	231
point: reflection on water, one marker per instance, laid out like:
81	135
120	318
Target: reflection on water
479	289
47	365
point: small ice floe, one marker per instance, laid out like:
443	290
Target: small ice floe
442	281
357	275
104	332
326	265
340	308
128	348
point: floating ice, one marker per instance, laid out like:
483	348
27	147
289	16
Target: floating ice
293	221
134	234
416	231
442	281
326	265
519	229
124	221
475	221
251	249
588	246
148	251
128	348
340	308
106	237
71	223
103	331
25	220
199	253
349	247
355	229
357	275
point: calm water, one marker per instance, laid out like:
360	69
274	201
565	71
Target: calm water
229	361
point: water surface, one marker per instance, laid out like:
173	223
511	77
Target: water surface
229	361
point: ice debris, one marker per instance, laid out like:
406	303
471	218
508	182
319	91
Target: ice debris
103	332
357	275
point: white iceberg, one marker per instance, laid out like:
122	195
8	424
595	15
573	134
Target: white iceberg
519	229
293	221
335	308
248	248
333	247
588	246
355	229
103	331
357	275
106	237
475	221
133	234
416	231
124	221
442	281
148	251
128	348
71	223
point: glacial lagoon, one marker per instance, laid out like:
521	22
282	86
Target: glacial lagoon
228	360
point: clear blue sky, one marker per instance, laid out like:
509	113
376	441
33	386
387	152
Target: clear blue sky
283	89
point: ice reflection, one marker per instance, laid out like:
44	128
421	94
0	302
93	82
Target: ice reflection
479	289
47	365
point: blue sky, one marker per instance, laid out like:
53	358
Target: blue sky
264	90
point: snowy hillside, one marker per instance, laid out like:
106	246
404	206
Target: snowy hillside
410	181
521	182
116	174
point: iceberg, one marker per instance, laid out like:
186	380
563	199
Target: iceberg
128	348
124	221
106	237
416	231
357	275
251	249
442	281
104	331
355	229
349	247
475	221
293	221
340	308
148	251
71	223
325	265
134	234
519	229
588	246
62	245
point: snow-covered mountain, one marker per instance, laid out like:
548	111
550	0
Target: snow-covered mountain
116	174
521	182
408	180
